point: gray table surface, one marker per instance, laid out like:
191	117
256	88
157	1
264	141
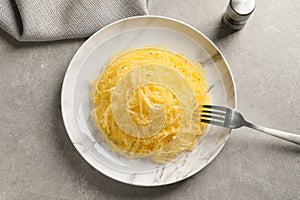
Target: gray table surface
38	161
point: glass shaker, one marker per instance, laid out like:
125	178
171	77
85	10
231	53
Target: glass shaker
238	13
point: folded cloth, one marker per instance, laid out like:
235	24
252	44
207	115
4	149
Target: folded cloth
43	20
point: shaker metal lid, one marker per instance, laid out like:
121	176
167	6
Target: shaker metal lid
240	10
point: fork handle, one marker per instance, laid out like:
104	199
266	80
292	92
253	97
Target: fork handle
292	137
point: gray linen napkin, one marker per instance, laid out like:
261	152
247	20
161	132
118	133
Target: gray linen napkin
42	20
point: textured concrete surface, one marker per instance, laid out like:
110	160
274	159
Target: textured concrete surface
37	160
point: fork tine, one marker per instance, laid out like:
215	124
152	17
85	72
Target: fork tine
212	122
219	108
213	117
214	112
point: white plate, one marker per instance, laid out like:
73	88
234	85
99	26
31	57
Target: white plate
88	63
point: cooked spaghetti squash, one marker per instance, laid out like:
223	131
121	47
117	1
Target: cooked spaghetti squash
145	100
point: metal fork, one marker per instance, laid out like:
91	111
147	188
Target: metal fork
230	118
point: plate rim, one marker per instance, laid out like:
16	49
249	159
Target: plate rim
67	77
